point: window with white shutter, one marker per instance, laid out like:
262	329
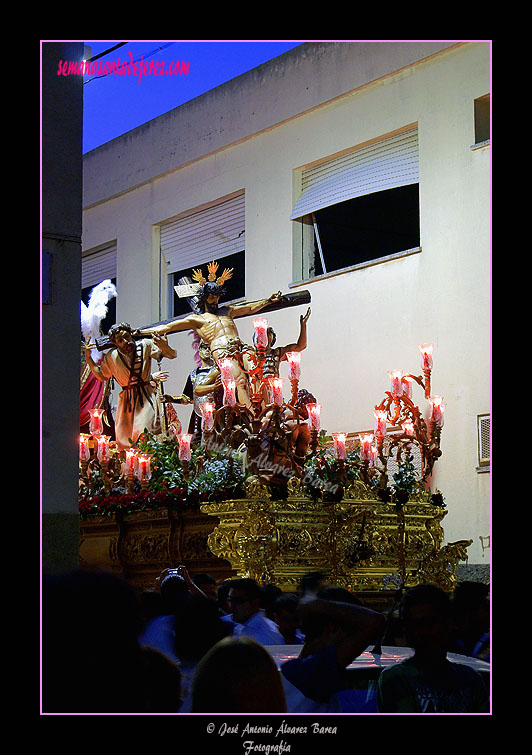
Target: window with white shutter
215	233
361	206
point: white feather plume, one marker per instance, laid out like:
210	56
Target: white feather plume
95	311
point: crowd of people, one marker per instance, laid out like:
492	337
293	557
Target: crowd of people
190	645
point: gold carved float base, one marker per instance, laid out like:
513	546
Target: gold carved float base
139	546
359	543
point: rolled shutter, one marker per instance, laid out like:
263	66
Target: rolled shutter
207	235
387	164
98	266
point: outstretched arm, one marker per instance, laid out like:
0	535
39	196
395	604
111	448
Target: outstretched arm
301	343
187	323
356	627
241	310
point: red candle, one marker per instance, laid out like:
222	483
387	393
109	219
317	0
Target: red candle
276	388
184	448
143	467
103	447
261	331
207	422
294	360
437	407
96	422
230	393
407	386
396	377
84	450
380	422
339	445
365	447
314	415
226	369
131	461
426	355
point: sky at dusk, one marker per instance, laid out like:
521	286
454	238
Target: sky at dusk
115	104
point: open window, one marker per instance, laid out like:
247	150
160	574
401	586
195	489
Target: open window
215	233
360	207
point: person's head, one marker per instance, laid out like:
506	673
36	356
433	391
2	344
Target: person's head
206	583
205	353
174	593
425	613
311	582
286	616
471	608
222	593
304	398
209	296
272	337
121	336
199	628
237	675
268	595
91	623
322	626
244	599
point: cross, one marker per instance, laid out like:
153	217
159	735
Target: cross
286	300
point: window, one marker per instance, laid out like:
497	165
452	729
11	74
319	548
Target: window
95	268
482	119
484	442
360	207
213	233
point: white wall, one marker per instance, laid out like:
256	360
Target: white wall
367	321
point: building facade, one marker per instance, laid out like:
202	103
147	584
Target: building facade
357	171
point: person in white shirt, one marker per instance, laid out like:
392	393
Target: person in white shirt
250	619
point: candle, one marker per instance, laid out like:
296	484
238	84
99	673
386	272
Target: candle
143	467
339	445
131	461
184	447
374	453
230	393
261	331
426	355
396	377
408	428
380	422
365	447
96	422
84	450
226	369
103	448
437	407
314	415
294	359
276	389
207	421
407	386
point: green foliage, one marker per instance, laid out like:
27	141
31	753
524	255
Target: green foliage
405	478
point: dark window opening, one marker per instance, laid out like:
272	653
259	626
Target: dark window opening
235	286
482	119
367	228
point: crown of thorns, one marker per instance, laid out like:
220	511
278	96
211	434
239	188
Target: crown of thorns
198	276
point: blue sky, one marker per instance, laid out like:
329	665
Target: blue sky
115	104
